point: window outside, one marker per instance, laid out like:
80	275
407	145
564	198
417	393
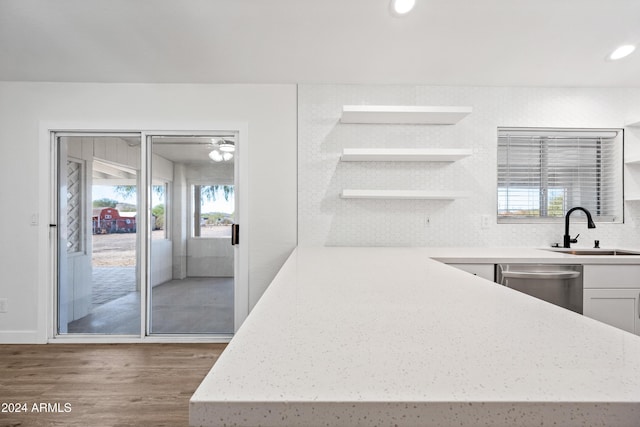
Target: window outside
213	210
542	173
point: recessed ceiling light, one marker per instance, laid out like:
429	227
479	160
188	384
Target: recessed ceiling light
401	7
622	51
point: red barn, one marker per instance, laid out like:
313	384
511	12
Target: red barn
109	220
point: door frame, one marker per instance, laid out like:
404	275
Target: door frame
47	236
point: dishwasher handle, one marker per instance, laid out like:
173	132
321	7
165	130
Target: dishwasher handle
544	275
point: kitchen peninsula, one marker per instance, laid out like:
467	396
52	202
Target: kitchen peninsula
391	336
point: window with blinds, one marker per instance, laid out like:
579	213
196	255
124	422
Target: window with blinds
542	173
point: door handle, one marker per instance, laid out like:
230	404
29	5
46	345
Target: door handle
235	234
551	275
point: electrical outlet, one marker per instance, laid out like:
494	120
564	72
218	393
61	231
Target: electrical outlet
485	221
4	305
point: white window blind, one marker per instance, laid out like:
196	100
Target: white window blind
542	173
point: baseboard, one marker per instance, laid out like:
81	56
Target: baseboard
21	337
32	337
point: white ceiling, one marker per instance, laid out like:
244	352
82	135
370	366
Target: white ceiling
442	42
189	150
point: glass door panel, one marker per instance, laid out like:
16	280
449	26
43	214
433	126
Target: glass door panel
98	286
192	263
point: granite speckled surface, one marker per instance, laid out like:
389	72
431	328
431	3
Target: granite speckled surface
388	336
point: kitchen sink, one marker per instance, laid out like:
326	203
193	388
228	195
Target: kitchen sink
593	252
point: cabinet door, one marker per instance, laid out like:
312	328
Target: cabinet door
486	271
616	307
611	276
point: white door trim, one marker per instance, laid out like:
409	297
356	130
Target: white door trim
46	262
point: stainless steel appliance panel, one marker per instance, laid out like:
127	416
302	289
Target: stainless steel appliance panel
557	284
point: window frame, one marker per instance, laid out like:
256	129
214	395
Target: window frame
616	156
166	184
192	211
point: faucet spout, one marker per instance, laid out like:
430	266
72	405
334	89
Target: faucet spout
567	236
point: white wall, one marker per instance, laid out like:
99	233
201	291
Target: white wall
323	218
268	110
200	262
326	219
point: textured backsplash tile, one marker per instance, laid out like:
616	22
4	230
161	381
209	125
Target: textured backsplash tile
326	219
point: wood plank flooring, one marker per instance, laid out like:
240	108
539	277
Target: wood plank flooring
102	384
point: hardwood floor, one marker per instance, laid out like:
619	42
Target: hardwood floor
101	384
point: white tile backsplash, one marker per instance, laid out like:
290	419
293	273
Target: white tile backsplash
326	219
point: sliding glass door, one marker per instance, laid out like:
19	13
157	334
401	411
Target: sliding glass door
99	286
191	288
144	233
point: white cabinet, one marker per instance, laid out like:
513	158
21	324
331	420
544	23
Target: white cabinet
486	271
612	295
612	276
616	307
632	162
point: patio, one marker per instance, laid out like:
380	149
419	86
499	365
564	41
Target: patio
189	306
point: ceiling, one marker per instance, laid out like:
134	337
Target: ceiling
441	42
189	149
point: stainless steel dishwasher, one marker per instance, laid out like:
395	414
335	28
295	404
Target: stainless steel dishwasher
557	284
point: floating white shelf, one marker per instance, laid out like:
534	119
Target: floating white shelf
632	125
403	154
402	194
398	114
632	161
632	198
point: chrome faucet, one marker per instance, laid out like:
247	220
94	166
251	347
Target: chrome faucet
567	238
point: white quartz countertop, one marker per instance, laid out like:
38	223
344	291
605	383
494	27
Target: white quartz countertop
479	255
389	336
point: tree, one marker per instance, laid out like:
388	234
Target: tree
556	206
125	190
158	212
209	191
105	203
